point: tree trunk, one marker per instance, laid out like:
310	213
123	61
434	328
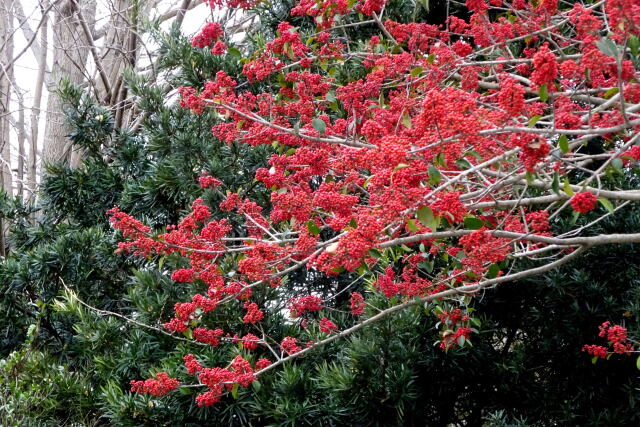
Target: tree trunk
6	76
22	137
6	71
122	48
71	50
37	101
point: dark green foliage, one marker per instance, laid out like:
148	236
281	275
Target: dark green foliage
150	172
80	195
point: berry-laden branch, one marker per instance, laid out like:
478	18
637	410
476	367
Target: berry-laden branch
455	154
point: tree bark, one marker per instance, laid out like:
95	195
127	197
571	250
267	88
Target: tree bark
70	55
6	76
22	137
6	72
122	50
37	101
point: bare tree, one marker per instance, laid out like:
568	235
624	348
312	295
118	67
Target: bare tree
96	58
6	73
86	56
69	62
22	138
37	99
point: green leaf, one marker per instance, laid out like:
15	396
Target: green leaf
319	125
416	72
330	96
401	166
426	265
530	177
543	93
608	47
449	217
606	203
594	359
463	164
574	218
426	217
534	120
563	143
234	52
411	225
434	175
473	223
634	45
638	362
375	253
406	120
608	94
474	154
617	164
440	160
493	271
313	228
234	391
567	188
555	184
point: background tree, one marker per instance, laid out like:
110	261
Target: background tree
71	51
92	57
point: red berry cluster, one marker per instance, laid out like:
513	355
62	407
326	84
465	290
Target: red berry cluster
254	314
209	34
158	386
357	304
208	336
624	18
207	181
450	338
583	202
327	326
250	341
220	379
301	305
545	67
618	340
290	345
357	162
